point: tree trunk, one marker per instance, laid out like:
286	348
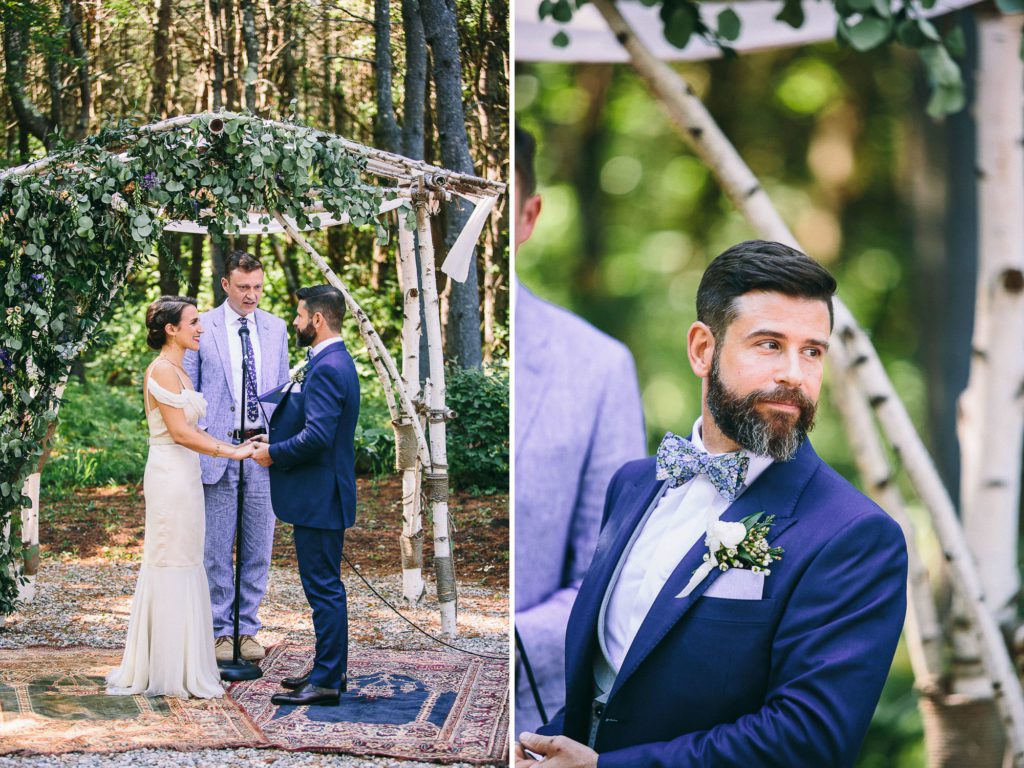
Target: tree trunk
74	27
195	271
169	261
439	27
215	38
415	80
252	54
161	58
289	67
386	133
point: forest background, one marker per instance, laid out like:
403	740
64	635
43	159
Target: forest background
422	78
872	187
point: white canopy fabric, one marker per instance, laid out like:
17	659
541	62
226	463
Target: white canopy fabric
591	41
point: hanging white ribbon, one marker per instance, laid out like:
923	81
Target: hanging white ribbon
460	257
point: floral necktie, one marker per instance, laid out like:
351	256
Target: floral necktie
679	461
252	409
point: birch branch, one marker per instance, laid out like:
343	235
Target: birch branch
379	354
707	140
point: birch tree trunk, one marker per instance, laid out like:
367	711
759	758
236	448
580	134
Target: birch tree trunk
742	187
991	420
437	478
411	540
439	27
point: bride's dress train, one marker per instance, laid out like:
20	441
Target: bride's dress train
170	648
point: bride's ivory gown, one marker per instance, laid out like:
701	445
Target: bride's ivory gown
170	648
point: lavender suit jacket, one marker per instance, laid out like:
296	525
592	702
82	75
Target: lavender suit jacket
210	371
578	418
789	680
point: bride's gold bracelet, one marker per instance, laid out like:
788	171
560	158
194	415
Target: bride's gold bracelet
216	450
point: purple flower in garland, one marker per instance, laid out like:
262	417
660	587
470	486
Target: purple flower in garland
7	361
150	180
40	281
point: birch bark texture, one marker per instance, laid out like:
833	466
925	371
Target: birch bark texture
707	140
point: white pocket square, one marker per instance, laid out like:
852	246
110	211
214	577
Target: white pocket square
737	584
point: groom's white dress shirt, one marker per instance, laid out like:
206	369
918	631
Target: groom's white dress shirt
324	345
231	319
677	522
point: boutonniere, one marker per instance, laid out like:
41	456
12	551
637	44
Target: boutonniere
297	374
736	545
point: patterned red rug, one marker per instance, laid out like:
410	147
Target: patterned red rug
421	705
53	700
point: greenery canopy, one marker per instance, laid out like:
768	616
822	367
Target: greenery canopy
73	226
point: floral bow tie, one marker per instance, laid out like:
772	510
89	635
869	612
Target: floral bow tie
679	461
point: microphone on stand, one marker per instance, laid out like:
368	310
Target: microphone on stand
238	668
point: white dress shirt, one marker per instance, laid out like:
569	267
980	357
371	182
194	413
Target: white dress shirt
677	522
324	345
231	322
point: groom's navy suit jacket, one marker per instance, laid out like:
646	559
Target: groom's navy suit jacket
791	679
312	443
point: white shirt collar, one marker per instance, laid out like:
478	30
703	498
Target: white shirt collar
325	344
232	317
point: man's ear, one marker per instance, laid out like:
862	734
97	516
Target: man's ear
700	348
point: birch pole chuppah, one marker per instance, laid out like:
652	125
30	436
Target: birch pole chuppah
700	131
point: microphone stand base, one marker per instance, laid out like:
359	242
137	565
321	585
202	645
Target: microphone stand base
234	671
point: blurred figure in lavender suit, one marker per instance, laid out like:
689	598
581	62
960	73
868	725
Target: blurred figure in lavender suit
578	418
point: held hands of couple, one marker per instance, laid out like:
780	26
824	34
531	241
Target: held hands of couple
261	450
554	752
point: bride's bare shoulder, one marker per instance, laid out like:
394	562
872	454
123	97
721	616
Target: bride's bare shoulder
162	372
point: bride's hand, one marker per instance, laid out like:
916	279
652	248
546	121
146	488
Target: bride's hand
244	451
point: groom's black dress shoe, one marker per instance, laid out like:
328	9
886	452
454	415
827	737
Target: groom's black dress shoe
291	683
307	694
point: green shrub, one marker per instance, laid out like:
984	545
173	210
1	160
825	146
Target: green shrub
478	437
101	438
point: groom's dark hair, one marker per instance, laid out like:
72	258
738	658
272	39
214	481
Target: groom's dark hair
325	299
759	265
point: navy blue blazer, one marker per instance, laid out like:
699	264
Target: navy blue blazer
312	443
789	680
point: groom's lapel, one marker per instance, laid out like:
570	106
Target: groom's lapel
610	545
775	492
220	339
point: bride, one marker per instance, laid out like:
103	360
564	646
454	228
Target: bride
170	648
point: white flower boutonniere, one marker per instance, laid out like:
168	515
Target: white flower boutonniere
298	373
736	545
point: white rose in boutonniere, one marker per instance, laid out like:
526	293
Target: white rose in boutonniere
736	545
298	373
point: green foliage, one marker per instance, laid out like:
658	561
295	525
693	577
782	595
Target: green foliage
73	230
864	25
101	440
478	437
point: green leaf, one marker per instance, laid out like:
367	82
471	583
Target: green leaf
792	13
860	5
870	32
955	42
562	11
680	25
174	186
728	24
545	9
1010	6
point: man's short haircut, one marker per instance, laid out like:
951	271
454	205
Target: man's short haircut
759	265
325	299
526	149
241	260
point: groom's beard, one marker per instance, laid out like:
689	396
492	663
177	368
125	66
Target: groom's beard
776	434
305	335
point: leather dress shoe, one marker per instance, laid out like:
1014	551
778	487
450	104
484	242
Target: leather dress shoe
307	694
291	683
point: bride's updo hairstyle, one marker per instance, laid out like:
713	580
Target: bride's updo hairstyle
166	309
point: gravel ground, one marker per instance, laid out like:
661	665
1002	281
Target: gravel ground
87	603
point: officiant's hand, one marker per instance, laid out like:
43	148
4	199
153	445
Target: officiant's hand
264	438
261	453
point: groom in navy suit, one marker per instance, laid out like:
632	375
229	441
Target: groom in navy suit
674	655
311	455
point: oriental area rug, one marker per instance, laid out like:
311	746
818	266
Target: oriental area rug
53	700
422	705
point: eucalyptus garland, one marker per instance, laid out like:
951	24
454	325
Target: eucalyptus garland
72	230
